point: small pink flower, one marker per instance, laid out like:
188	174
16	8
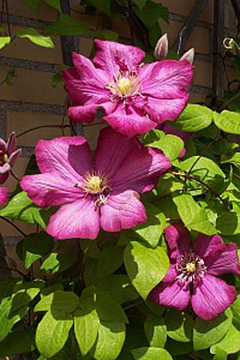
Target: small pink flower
8	156
135	97
105	194
191	276
3	195
161	49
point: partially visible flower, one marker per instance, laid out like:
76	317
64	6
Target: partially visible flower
135	97
161	49
3	195
105	194
189	56
169	129
8	156
191	276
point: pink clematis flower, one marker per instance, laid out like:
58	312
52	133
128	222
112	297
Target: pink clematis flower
105	194
8	156
3	195
135	97
191	276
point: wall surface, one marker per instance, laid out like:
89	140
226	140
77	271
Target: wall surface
32	101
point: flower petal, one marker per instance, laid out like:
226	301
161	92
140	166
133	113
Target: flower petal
70	157
168	79
178	239
14	156
112	56
11	143
171	274
5	168
130	121
122	211
212	297
112	149
76	220
225	262
3	177
169	129
50	189
85	82
87	112
141	170
3	195
207	246
171	294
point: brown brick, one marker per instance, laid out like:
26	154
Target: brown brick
8	230
19	169
181	7
199	39
202	73
197	98
45	12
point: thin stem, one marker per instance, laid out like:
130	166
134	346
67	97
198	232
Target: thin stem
15	226
41	127
133	305
190	177
228	101
14	176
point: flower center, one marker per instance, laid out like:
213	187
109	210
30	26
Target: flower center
94	184
190	268
124	86
3	157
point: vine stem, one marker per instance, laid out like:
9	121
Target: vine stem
191	177
15	226
14	176
41	127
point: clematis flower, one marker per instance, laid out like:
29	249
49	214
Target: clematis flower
3	195
135	97
192	273
105	194
8	156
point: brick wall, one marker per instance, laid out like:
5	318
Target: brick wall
32	101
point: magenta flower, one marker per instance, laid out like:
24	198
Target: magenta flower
3	195
135	98
8	156
191	276
105	194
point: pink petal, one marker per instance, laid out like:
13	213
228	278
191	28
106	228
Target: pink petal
87	112
11	143
171	274
70	157
14	156
171	294
169	129
207	246
161	110
5	168
112	149
129	121
111	56
178	239
225	262
168	79
212	297
3	177
3	195
85	82
77	220
122	211
50	189
141	170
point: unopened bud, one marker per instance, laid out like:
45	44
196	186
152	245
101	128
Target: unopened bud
189	56
161	48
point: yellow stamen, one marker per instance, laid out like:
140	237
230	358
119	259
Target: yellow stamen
191	267
124	86
5	158
95	184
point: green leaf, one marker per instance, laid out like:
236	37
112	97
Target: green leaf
193	216
59	262
208	333
18	342
6	320
179	326
20	207
102	6
59	302
168	184
52	334
110	260
228	223
86	325
66	25
156	331
228	121
4	40
35	246
34	36
152	228
140	3
11	74
220	354
151	13
110	341
24	293
56	79
230	343
105	35
56	4
194	118
146	267
235	307
32	4
151	353
232	158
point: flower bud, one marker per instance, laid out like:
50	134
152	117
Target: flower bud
161	48
189	56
